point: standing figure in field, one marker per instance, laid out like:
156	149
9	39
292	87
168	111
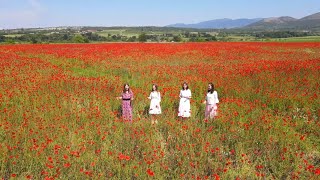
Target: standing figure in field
155	107
126	97
184	105
211	102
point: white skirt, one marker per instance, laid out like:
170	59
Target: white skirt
184	108
155	107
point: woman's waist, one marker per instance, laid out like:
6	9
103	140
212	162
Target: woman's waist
211	103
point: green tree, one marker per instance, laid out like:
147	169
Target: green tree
10	41
212	38
79	39
132	39
177	39
2	38
142	37
65	37
34	40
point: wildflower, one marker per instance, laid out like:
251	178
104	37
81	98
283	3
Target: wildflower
150	172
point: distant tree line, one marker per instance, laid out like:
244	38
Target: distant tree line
87	37
183	37
143	34
282	34
54	38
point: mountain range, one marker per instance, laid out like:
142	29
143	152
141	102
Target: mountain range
218	24
284	22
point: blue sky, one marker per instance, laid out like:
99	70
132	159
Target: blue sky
47	13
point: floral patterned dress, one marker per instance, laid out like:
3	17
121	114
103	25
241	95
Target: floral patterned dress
126	105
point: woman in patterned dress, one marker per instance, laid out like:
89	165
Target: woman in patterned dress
211	102
155	107
126	97
184	104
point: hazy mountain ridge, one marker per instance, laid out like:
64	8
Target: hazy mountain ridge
283	22
218	24
286	22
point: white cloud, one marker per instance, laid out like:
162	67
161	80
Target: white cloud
21	17
35	4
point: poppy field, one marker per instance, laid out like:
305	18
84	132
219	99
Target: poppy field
60	119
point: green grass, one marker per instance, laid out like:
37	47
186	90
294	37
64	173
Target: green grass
300	39
13	35
236	38
105	33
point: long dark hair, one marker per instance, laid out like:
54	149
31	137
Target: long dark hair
155	86
212	88
124	88
184	84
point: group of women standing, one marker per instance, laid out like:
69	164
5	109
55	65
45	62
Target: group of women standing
184	110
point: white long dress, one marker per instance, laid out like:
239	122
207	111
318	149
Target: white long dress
184	105
211	105
155	107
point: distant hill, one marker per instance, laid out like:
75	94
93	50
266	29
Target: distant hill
311	22
218	24
273	22
285	22
315	16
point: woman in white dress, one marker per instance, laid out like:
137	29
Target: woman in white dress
184	105
155	107
211	102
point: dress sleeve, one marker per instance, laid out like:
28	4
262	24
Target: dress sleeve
159	96
216	97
